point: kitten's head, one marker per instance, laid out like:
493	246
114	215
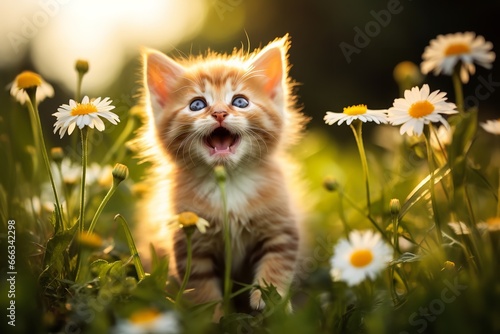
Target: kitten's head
221	109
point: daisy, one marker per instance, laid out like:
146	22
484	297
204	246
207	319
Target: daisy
363	256
352	113
28	79
419	107
148	321
492	126
85	113
444	52
188	219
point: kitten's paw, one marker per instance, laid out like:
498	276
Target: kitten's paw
218	313
256	301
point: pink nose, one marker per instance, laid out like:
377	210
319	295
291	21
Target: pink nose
219	115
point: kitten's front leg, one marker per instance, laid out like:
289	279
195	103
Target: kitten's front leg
275	262
203	284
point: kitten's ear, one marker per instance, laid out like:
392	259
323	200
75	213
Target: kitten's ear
271	62
160	74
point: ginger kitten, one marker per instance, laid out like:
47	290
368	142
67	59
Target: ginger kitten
238	111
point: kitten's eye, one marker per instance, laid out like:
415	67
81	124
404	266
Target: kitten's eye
240	102
197	105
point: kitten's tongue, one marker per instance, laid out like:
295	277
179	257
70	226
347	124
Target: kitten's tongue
222	141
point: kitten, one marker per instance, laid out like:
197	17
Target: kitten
237	111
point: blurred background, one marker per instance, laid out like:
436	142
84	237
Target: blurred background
49	35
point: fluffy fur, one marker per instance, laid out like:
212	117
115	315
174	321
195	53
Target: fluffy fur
250	141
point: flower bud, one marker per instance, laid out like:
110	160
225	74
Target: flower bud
408	74
330	183
82	66
395	206
220	173
448	265
120	173
57	154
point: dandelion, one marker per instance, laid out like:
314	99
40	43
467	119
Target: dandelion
86	113
27	80
492	126
148	321
444	53
363	256
355	112
419	107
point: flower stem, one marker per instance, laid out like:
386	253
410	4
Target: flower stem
430	161
32	106
221	182
187	273
356	127
133	250
105	200
81	221
457	86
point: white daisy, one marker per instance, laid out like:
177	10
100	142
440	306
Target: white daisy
352	113
28	79
85	113
363	256
149	321
419	107
188	219
492	126
444	52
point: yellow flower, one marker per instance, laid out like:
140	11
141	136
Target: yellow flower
446	51
26	80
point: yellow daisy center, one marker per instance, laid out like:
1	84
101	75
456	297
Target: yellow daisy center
83	109
28	79
456	49
188	218
421	109
356	110
144	316
361	258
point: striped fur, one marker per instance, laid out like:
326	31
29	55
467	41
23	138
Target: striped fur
262	208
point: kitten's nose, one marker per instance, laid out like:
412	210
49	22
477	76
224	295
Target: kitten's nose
219	115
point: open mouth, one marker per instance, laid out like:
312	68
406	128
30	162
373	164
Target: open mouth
222	141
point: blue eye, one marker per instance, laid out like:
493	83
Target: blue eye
197	105
240	102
